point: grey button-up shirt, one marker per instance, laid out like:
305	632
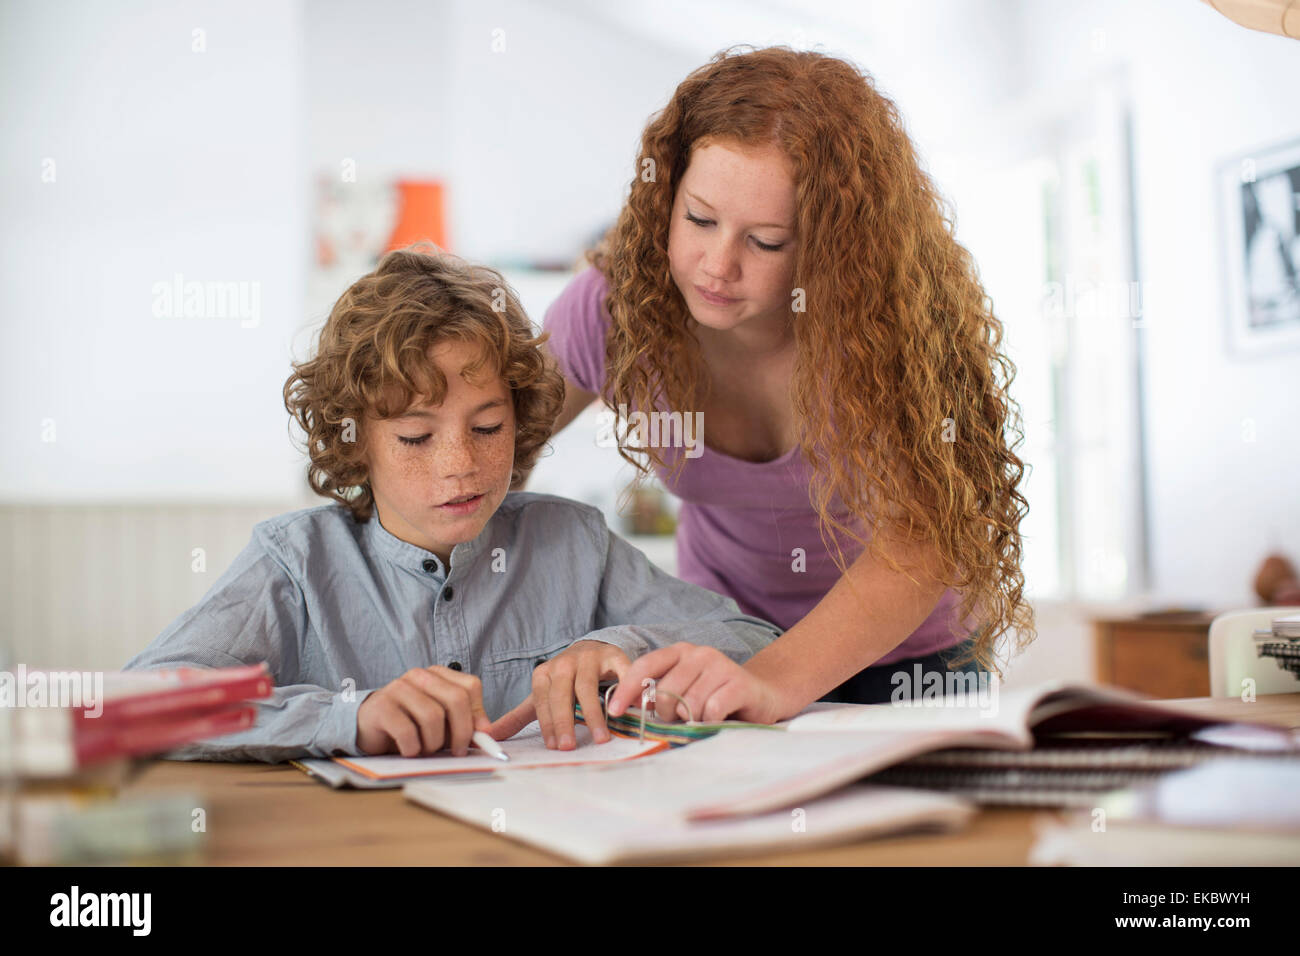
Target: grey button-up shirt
338	609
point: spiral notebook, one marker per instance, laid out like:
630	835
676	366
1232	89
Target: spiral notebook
1065	770
603	813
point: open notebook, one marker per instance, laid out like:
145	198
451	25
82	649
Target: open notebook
596	812
1007	718
825	748
526	750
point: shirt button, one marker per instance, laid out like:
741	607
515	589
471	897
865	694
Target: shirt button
448	593
430	565
454	665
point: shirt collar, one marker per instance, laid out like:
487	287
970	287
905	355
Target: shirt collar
413	558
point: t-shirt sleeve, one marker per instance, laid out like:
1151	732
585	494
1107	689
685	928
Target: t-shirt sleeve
577	322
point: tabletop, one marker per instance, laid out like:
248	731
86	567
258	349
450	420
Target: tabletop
276	815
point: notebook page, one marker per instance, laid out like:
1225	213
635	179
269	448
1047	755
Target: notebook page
1013	712
744	771
525	749
516	806
1002	710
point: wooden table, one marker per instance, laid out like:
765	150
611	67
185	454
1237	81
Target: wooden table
274	814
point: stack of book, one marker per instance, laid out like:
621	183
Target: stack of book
69	740
1226	812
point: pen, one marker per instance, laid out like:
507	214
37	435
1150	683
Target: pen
489	746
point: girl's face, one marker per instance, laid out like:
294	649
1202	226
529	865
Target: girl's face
432	454
731	244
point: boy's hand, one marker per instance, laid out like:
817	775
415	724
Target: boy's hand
577	671
420	713
714	686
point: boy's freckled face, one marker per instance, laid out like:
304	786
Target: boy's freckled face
434	453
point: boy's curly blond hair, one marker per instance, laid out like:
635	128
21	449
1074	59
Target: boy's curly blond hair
373	359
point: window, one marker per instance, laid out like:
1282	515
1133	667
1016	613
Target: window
1048	221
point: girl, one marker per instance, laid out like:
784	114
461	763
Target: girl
784	267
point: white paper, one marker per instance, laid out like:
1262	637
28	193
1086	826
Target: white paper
525	749
739	771
520	806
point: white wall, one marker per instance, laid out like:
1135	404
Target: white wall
1204	90
169	161
165	161
531	111
941	61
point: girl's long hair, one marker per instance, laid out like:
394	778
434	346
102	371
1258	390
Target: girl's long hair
899	389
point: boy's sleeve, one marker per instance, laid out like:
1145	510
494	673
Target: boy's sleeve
642	608
577	323
256	612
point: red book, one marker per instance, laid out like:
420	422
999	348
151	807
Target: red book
148	694
155	736
131	713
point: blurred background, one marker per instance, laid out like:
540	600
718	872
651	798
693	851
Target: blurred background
186	188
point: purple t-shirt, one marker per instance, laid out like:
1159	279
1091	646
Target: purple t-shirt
740	521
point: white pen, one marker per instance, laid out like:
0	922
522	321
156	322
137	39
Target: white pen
489	746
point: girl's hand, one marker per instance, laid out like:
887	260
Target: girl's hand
577	671
420	713
714	686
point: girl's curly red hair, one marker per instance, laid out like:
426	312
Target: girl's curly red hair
373	360
900	390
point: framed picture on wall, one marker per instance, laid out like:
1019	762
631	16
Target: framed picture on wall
1260	207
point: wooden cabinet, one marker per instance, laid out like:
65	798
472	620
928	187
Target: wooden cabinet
1164	654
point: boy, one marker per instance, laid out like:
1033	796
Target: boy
429	597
